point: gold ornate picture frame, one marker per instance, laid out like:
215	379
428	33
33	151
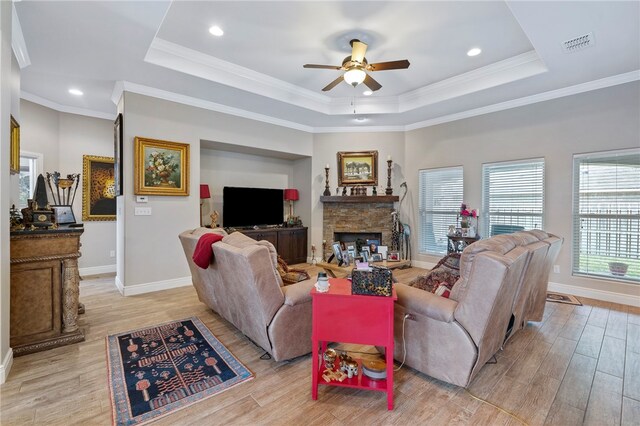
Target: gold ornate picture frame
14	154
161	167
358	168
98	188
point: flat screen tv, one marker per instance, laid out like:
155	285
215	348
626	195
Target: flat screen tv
252	206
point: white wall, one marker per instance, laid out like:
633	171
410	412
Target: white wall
63	139
325	151
155	259
5	188
601	120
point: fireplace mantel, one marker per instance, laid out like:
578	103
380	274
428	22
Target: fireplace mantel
359	198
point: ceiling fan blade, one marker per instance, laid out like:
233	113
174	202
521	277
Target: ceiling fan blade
324	67
391	65
333	84
358	50
371	83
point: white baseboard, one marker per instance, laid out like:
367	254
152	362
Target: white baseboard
607	296
97	270
5	367
131	290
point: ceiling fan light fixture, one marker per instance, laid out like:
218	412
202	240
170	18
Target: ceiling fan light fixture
354	76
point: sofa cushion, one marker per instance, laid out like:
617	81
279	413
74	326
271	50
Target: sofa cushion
446	272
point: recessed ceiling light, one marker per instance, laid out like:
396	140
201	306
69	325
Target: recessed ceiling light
474	52
361	119
76	92
216	31
367	93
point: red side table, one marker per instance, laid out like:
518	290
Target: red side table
339	316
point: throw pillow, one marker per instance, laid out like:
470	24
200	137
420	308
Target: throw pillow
446	273
290	275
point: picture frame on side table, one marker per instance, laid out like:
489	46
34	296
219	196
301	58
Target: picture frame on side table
382	250
98	188
376	257
161	167
14	151
393	256
373	245
337	252
357	168
64	215
117	153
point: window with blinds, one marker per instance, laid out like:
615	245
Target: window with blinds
440	199
512	196
606	215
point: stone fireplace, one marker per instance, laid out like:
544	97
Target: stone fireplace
346	218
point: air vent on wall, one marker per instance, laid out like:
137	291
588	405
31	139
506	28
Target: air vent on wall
578	43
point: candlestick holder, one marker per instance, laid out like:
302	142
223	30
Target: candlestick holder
327	191
389	190
324	250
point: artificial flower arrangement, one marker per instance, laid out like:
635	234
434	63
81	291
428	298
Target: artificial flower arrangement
465	214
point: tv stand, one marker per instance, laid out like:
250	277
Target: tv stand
290	243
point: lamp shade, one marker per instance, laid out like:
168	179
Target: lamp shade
354	76
291	195
204	191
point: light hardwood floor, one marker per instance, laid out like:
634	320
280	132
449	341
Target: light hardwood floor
580	365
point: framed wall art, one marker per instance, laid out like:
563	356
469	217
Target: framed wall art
117	154
98	188
14	154
161	167
358	168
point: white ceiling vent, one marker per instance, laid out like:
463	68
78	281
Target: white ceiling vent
578	43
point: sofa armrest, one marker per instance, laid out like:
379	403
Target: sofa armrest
425	303
295	294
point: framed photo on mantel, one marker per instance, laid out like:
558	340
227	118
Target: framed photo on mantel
358	168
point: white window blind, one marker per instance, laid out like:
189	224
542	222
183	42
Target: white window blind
512	196
606	214
440	199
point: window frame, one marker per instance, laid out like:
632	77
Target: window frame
485	230
576	216
38	160
422	211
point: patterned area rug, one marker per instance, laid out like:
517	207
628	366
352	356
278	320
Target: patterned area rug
562	298
158	370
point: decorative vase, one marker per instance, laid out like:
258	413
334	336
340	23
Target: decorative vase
164	178
464	222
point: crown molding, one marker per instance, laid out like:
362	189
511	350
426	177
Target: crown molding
359	129
533	99
179	58
212	106
18	44
65	108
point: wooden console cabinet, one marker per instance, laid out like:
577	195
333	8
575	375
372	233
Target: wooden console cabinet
290	243
44	289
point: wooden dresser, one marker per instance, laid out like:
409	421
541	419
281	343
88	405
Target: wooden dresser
44	289
290	243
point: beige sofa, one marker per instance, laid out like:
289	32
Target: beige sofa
243	286
502	284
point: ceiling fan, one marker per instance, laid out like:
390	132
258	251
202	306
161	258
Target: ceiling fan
355	67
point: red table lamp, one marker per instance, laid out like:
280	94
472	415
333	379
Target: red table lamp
204	194
291	195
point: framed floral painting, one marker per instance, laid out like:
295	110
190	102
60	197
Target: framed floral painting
161	167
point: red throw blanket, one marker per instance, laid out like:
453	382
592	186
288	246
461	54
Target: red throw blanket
203	254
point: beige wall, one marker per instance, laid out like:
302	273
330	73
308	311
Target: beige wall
64	139
154	259
600	120
5	187
325	149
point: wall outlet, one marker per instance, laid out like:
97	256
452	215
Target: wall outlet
556	269
112	253
142	211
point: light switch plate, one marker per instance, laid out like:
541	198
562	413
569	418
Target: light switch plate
142	211
142	199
